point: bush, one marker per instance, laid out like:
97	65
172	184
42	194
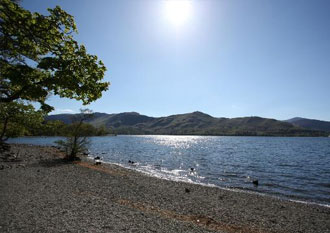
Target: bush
73	146
76	141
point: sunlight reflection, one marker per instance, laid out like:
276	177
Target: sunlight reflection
180	142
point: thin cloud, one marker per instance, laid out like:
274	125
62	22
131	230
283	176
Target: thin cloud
66	110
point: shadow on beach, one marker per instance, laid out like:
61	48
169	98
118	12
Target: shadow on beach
54	162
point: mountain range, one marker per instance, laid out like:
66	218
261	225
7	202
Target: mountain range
198	123
310	124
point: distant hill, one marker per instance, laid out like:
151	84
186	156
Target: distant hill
310	124
196	123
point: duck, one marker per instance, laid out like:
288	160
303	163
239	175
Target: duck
255	182
97	160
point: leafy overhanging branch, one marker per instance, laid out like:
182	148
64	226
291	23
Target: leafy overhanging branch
39	56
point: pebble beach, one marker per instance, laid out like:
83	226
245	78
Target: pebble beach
39	192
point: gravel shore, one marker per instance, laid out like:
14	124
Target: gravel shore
41	193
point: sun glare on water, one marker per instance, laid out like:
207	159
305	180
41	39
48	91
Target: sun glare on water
178	11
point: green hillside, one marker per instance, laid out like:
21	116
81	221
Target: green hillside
196	123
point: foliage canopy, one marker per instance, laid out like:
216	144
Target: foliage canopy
16	118
38	57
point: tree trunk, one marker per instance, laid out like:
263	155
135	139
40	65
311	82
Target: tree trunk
4	128
74	148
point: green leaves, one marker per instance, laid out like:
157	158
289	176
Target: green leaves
39	56
17	118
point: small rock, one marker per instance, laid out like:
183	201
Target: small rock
131	162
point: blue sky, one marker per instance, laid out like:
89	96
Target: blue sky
230	58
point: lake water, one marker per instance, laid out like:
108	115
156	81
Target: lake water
294	168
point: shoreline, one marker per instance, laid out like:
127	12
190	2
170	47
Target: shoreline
130	200
238	190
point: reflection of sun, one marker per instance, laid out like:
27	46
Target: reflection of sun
176	141
178	11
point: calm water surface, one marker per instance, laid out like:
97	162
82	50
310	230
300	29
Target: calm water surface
296	168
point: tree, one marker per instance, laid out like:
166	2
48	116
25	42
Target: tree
50	128
39	57
77	141
17	118
102	130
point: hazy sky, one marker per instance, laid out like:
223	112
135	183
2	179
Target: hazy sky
227	58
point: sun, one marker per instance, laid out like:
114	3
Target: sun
178	11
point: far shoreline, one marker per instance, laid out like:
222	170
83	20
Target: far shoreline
183	135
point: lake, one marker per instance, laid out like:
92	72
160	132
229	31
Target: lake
297	168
